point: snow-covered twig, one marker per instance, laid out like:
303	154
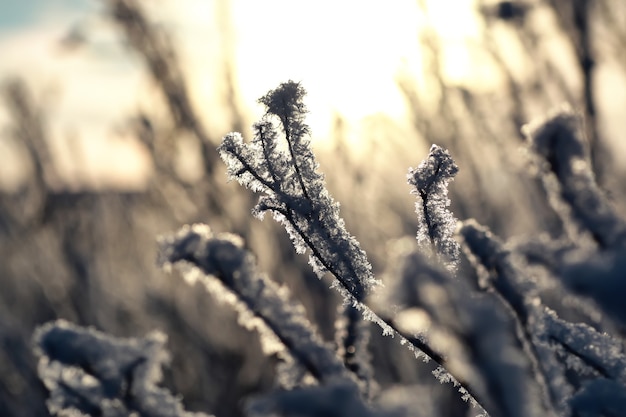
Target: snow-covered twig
228	270
436	224
561	146
91	373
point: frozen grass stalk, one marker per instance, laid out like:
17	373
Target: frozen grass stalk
469	330
294	191
562	150
91	373
436	223
283	325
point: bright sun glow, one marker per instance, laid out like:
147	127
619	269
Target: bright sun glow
346	53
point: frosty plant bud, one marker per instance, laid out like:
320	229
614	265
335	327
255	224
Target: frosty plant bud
436	222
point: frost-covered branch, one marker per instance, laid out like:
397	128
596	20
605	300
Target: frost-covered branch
437	224
500	273
294	191
227	270
598	351
542	332
91	373
560	143
478	344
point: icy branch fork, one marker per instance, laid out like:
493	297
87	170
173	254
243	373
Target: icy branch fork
294	191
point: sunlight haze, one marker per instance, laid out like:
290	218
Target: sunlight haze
347	54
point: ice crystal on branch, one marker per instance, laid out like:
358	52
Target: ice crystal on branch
294	191
468	328
227	270
562	154
436	222
91	373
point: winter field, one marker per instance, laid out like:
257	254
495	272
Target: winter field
226	209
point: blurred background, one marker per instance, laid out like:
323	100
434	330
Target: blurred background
111	111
